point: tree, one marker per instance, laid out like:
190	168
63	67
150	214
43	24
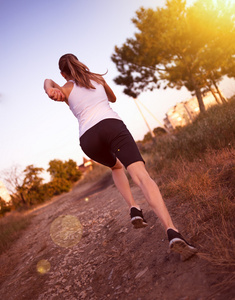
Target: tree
32	185
56	169
4	207
14	178
56	187
67	170
173	46
72	171
217	18
27	187
63	174
159	131
147	138
228	68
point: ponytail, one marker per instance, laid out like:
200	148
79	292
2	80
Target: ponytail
71	66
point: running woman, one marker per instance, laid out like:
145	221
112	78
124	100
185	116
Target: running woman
105	139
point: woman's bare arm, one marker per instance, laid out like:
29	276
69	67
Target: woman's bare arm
56	92
53	90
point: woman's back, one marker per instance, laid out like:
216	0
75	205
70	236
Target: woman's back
90	106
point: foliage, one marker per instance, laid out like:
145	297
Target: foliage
13	177
4	207
178	46
57	186
63	174
147	137
214	129
195	168
32	183
30	189
204	189
158	131
67	170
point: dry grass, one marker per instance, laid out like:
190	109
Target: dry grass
95	174
196	168
206	187
11	227
213	130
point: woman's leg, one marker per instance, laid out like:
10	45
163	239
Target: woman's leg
151	192
149	188
122	184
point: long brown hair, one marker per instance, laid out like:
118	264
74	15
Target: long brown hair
71	66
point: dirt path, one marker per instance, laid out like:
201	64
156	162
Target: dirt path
111	261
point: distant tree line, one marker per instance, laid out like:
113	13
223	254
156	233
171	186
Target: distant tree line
27	187
178	46
158	131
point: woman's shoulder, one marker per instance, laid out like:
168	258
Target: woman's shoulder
67	88
68	85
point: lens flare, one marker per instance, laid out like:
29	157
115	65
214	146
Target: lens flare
43	266
66	231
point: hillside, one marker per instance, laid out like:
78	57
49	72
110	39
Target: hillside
112	260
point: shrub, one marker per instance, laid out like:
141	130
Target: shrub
57	186
209	186
196	167
4	207
213	130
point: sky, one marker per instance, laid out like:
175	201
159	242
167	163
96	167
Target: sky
34	34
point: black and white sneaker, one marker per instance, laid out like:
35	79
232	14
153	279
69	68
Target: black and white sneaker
137	218
178	244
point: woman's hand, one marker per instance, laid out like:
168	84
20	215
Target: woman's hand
55	94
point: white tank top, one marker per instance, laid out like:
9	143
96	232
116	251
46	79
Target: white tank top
90	106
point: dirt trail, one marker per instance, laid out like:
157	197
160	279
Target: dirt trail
111	261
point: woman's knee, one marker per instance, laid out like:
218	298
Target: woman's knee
138	173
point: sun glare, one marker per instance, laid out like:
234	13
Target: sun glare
43	266
66	231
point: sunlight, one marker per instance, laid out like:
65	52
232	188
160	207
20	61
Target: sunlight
43	266
66	231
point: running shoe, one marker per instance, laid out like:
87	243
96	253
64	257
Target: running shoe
178	244
137	218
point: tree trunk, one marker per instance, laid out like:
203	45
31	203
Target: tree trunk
23	199
214	94
198	94
199	98
222	98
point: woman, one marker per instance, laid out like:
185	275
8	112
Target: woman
105	139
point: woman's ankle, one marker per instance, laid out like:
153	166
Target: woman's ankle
172	227
136	206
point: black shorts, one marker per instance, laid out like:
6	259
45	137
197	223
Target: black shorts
108	140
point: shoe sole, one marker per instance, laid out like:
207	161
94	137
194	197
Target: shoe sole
138	222
179	246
